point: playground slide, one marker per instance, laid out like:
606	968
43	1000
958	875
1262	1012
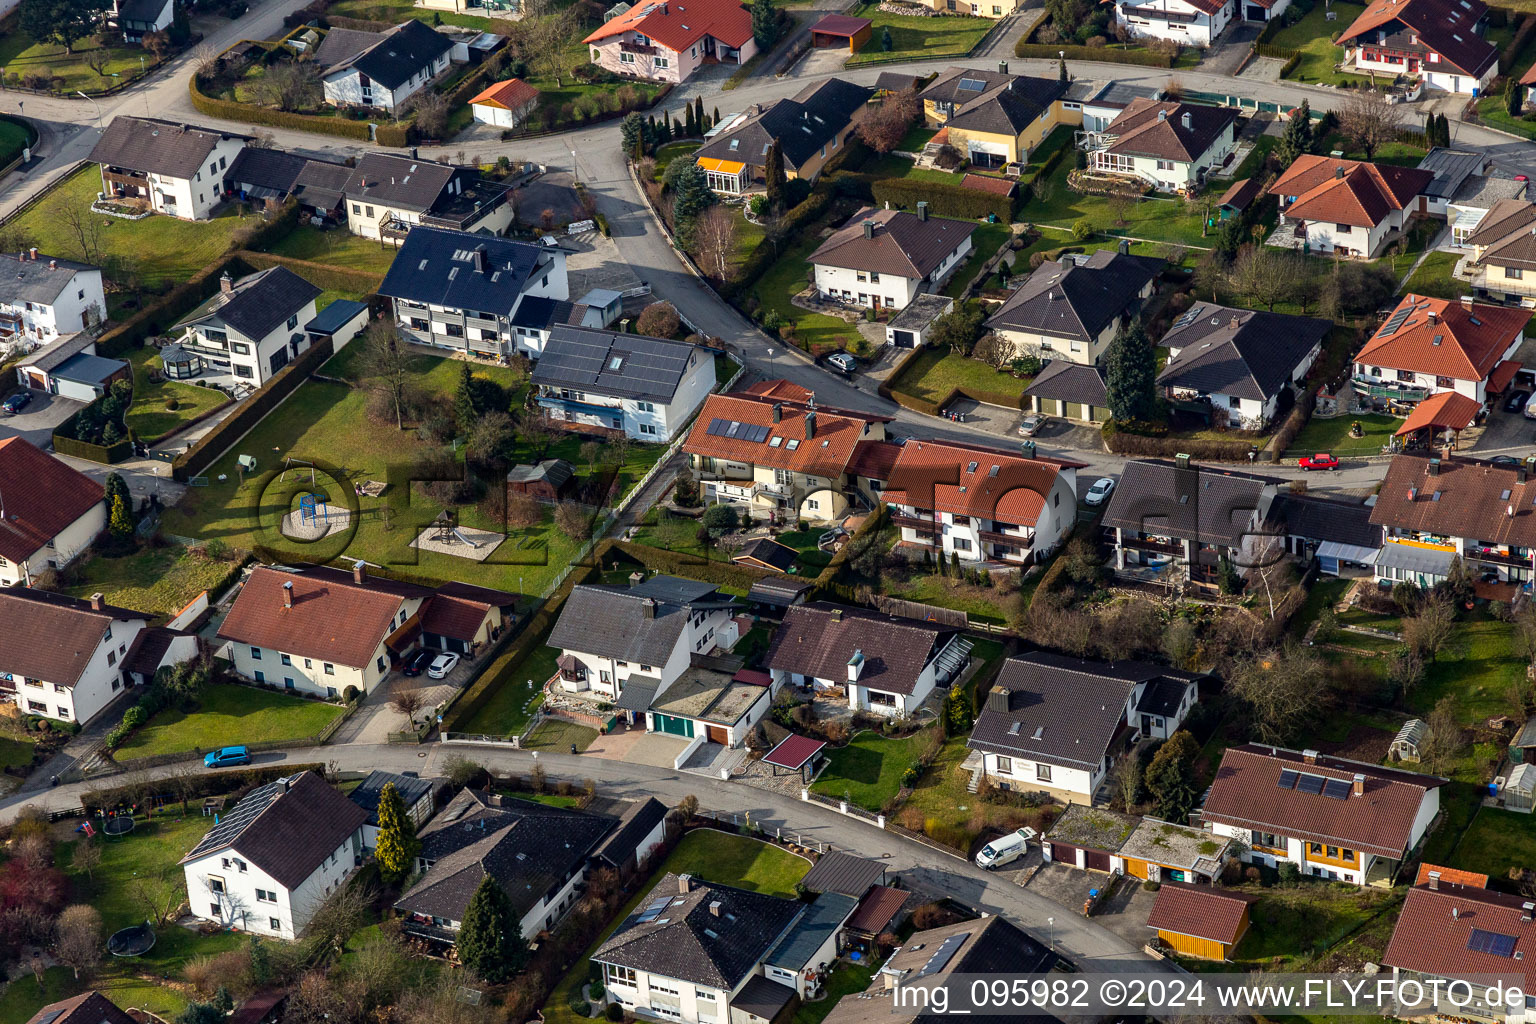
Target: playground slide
459	534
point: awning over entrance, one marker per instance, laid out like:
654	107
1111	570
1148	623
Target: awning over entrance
1502	374
1346	552
1413	558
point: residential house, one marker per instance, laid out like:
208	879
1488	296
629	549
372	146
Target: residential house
642	831
388	195
811	128
1428	346
257	175
1094	105
1057	724
1455	929
770	596
697	951
1073	391
1240	360
504	104
707	703
1455	171
52	512
69	366
1336	531
1330	205
1436	508
270	862
249	329
137	18
43	298
887	257
1096	839
627	644
979	503
60	657
89	1007
1331	817
667	42
994	118
609	383
321	630
885	664
1186	22
538	854
381	70
1073	308
911	327
451	289
172	168
783	455
845	874
1200	921
537	316
1476	198
975	8
991	946
1170	145
1440	41
418	795
1503	252
155	648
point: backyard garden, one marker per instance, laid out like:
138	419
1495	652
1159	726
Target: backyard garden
160	580
916	36
225	713
161	406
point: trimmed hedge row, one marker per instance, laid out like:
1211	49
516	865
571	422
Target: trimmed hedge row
1167	447
107	455
158	317
1105	54
321	275
943	200
677	563
884	390
252	411
199	785
395	135
1517	42
356	24
251	114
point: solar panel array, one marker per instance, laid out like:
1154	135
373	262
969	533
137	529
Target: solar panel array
1491	942
944	954
1188	318
650	367
737	430
235	821
653	910
1396	319
1336	789
973	84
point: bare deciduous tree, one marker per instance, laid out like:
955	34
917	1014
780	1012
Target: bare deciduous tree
995	350
430	108
1263	274
87	858
573	520
83	228
1283	689
97	60
408	703
289	85
882	127
206	59
714	237
77	938
1367	117
524	511
158	897
386	366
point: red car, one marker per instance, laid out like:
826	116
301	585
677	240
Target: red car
1322	460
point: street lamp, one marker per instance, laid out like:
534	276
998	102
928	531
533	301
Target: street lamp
575	171
1050	925
94	104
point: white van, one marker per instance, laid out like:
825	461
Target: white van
1005	849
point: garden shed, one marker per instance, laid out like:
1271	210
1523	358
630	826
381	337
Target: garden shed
1520	789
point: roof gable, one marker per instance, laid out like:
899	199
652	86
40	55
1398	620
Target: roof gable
40	497
893	242
678	26
441	267
1068	299
1238	352
1446	27
1462	497
1169	130
820	640
784	434
616	364
331	620
972	480
257	304
1444	338
158	147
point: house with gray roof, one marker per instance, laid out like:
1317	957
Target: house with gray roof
1240	360
381	69
1073	391
810	127
44	298
416	793
607	382
1073	308
1057	724
136	18
388	194
456	290
261	174
248	330
166	166
269	862
628	644
886	258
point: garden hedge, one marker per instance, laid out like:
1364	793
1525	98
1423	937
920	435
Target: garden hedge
357	24
233	781
252	411
1122	443
321	275
1106	54
251	114
943	200
158	317
1517	41
107	455
718	570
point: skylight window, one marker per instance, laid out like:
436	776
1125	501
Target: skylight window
792	444
616	362
775	442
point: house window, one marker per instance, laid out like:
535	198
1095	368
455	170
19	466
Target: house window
285	659
111	658
882	700
308	663
215	884
241	370
1342	229
1513	273
381	663
1165	165
293	321
277	925
261	677
645	668
63	711
263	896
814	504
330	669
645	406
663	62
1005	766
620	975
1443	381
626	58
649	429
961	543
1042	773
255	653
38	706
370	211
357	209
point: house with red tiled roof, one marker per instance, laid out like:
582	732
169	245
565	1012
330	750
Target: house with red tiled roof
321	630
1331	817
980	503
1432	345
504	104
1455	932
1200	920
1332	205
778	455
1187	22
49	512
667	40
1440	40
886	258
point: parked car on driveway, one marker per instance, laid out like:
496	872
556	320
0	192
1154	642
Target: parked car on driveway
417	662
17	402
1322	460
1516	401
1031	424
1101	489
442	665
226	757
843	361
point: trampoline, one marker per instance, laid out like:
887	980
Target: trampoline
135	940
117	825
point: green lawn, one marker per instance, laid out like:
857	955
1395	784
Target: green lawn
816	332
159	581
22	997
1400	153
868	770
1496	841
916	138
148	416
664	155
1332	435
1322	594
978	602
1312	35
160	248
230	713
938	371
1433	278
1490	110
1155	219
914	38
557	734
1291	925
984	245
893	166
811	559
21	56
1478	667
336	246
508	710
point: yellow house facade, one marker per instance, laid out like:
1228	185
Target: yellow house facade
995	118
976	8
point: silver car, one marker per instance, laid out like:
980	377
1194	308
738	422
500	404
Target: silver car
1101	489
843	361
1031	425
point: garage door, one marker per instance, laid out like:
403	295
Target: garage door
718	735
1076	411
675	726
72	389
904	339
1096	860
1050	406
1064	853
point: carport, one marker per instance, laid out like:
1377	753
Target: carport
841	29
1447	411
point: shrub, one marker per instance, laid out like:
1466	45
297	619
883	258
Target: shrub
943	200
614	1012
172	404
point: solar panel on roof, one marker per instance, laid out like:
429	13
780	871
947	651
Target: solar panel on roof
652	909
1396	320
49	1016
717	426
1336	789
972	84
1188	318
230	825
1481	941
1287	779
944	954
1310	784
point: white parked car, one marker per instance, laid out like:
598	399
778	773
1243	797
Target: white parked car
1101	489
442	665
1005	849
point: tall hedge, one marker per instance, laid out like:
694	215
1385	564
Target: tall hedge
249	113
106	454
158	317
252	411
943	200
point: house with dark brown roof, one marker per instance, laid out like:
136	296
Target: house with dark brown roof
387	195
1504	251
884	664
49	512
1441	41
321	630
994	118
1451	930
1072	309
810	128
1331	817
1333	205
1431	345
1200	920
885	258
89	1007
1170	145
269	862
381	70
1057	724
166	166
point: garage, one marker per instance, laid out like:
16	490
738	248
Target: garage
1076	411
1096	860
1049	406
718	735
444	643
674	726
903	339
1064	853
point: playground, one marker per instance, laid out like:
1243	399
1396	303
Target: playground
446	537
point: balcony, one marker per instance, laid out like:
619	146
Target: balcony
924	526
640	48
429	931
1022	538
394	229
1149	544
1375	387
1495	556
133	179
1480	278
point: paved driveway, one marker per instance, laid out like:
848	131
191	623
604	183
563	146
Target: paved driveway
1230	49
1507	433
36	422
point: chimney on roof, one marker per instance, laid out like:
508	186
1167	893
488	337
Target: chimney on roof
715	906
359	568
1185	119
837	615
1359	784
1434	880
922	209
1527	909
1528	468
684	883
855	666
1309	756
648	608
1434	317
1181	461
997	699
33	251
1466	303
1124	247
778	411
1433	468
1232	324
1002	67
1162	115
869	229
288	594
98	601
53	264
1338	172
810	424
226	285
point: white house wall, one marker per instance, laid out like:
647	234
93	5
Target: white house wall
238	904
100	681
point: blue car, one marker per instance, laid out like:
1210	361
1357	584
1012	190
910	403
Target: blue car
225	757
16	402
